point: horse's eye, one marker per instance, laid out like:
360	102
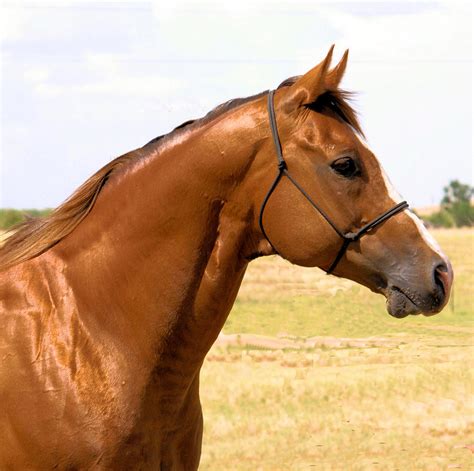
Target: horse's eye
346	167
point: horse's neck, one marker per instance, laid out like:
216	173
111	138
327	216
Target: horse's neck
219	284
158	261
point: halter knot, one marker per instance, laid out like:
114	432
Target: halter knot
351	236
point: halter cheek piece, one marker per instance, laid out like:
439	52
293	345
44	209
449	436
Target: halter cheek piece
348	237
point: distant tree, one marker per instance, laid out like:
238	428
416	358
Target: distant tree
11	217
457	202
457	192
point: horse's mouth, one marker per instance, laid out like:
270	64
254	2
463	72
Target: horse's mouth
400	304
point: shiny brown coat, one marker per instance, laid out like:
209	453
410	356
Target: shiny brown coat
109	306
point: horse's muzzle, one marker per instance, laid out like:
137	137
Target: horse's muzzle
427	298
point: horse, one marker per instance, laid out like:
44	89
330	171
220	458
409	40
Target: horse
110	303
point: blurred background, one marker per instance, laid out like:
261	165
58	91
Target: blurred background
310	372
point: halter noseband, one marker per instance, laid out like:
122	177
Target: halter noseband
348	237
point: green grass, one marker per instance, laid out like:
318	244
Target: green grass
402	399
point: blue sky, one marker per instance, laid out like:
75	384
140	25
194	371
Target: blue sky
85	81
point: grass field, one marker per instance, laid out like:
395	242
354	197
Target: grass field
322	377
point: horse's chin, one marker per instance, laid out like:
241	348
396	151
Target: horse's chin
399	305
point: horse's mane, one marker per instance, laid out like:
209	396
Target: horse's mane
36	235
334	102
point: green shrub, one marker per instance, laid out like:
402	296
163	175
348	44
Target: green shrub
462	213
441	219
10	217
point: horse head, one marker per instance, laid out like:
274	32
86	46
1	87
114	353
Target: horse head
332	206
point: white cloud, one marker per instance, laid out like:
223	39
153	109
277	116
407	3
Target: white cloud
118	86
439	33
37	74
417	30
105	74
14	20
18	16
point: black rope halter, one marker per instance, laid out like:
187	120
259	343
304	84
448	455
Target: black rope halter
347	237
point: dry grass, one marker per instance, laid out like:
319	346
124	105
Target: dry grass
369	392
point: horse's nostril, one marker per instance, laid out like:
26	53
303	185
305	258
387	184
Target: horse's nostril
441	278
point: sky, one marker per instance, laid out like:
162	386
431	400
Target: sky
83	82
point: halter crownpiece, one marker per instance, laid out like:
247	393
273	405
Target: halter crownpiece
347	237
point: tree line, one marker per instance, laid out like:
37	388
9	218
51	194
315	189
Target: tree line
11	217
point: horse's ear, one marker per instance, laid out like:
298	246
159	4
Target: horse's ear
334	76
309	86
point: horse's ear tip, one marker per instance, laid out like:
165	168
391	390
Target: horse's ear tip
345	57
327	60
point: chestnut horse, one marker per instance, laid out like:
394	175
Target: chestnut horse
110	304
